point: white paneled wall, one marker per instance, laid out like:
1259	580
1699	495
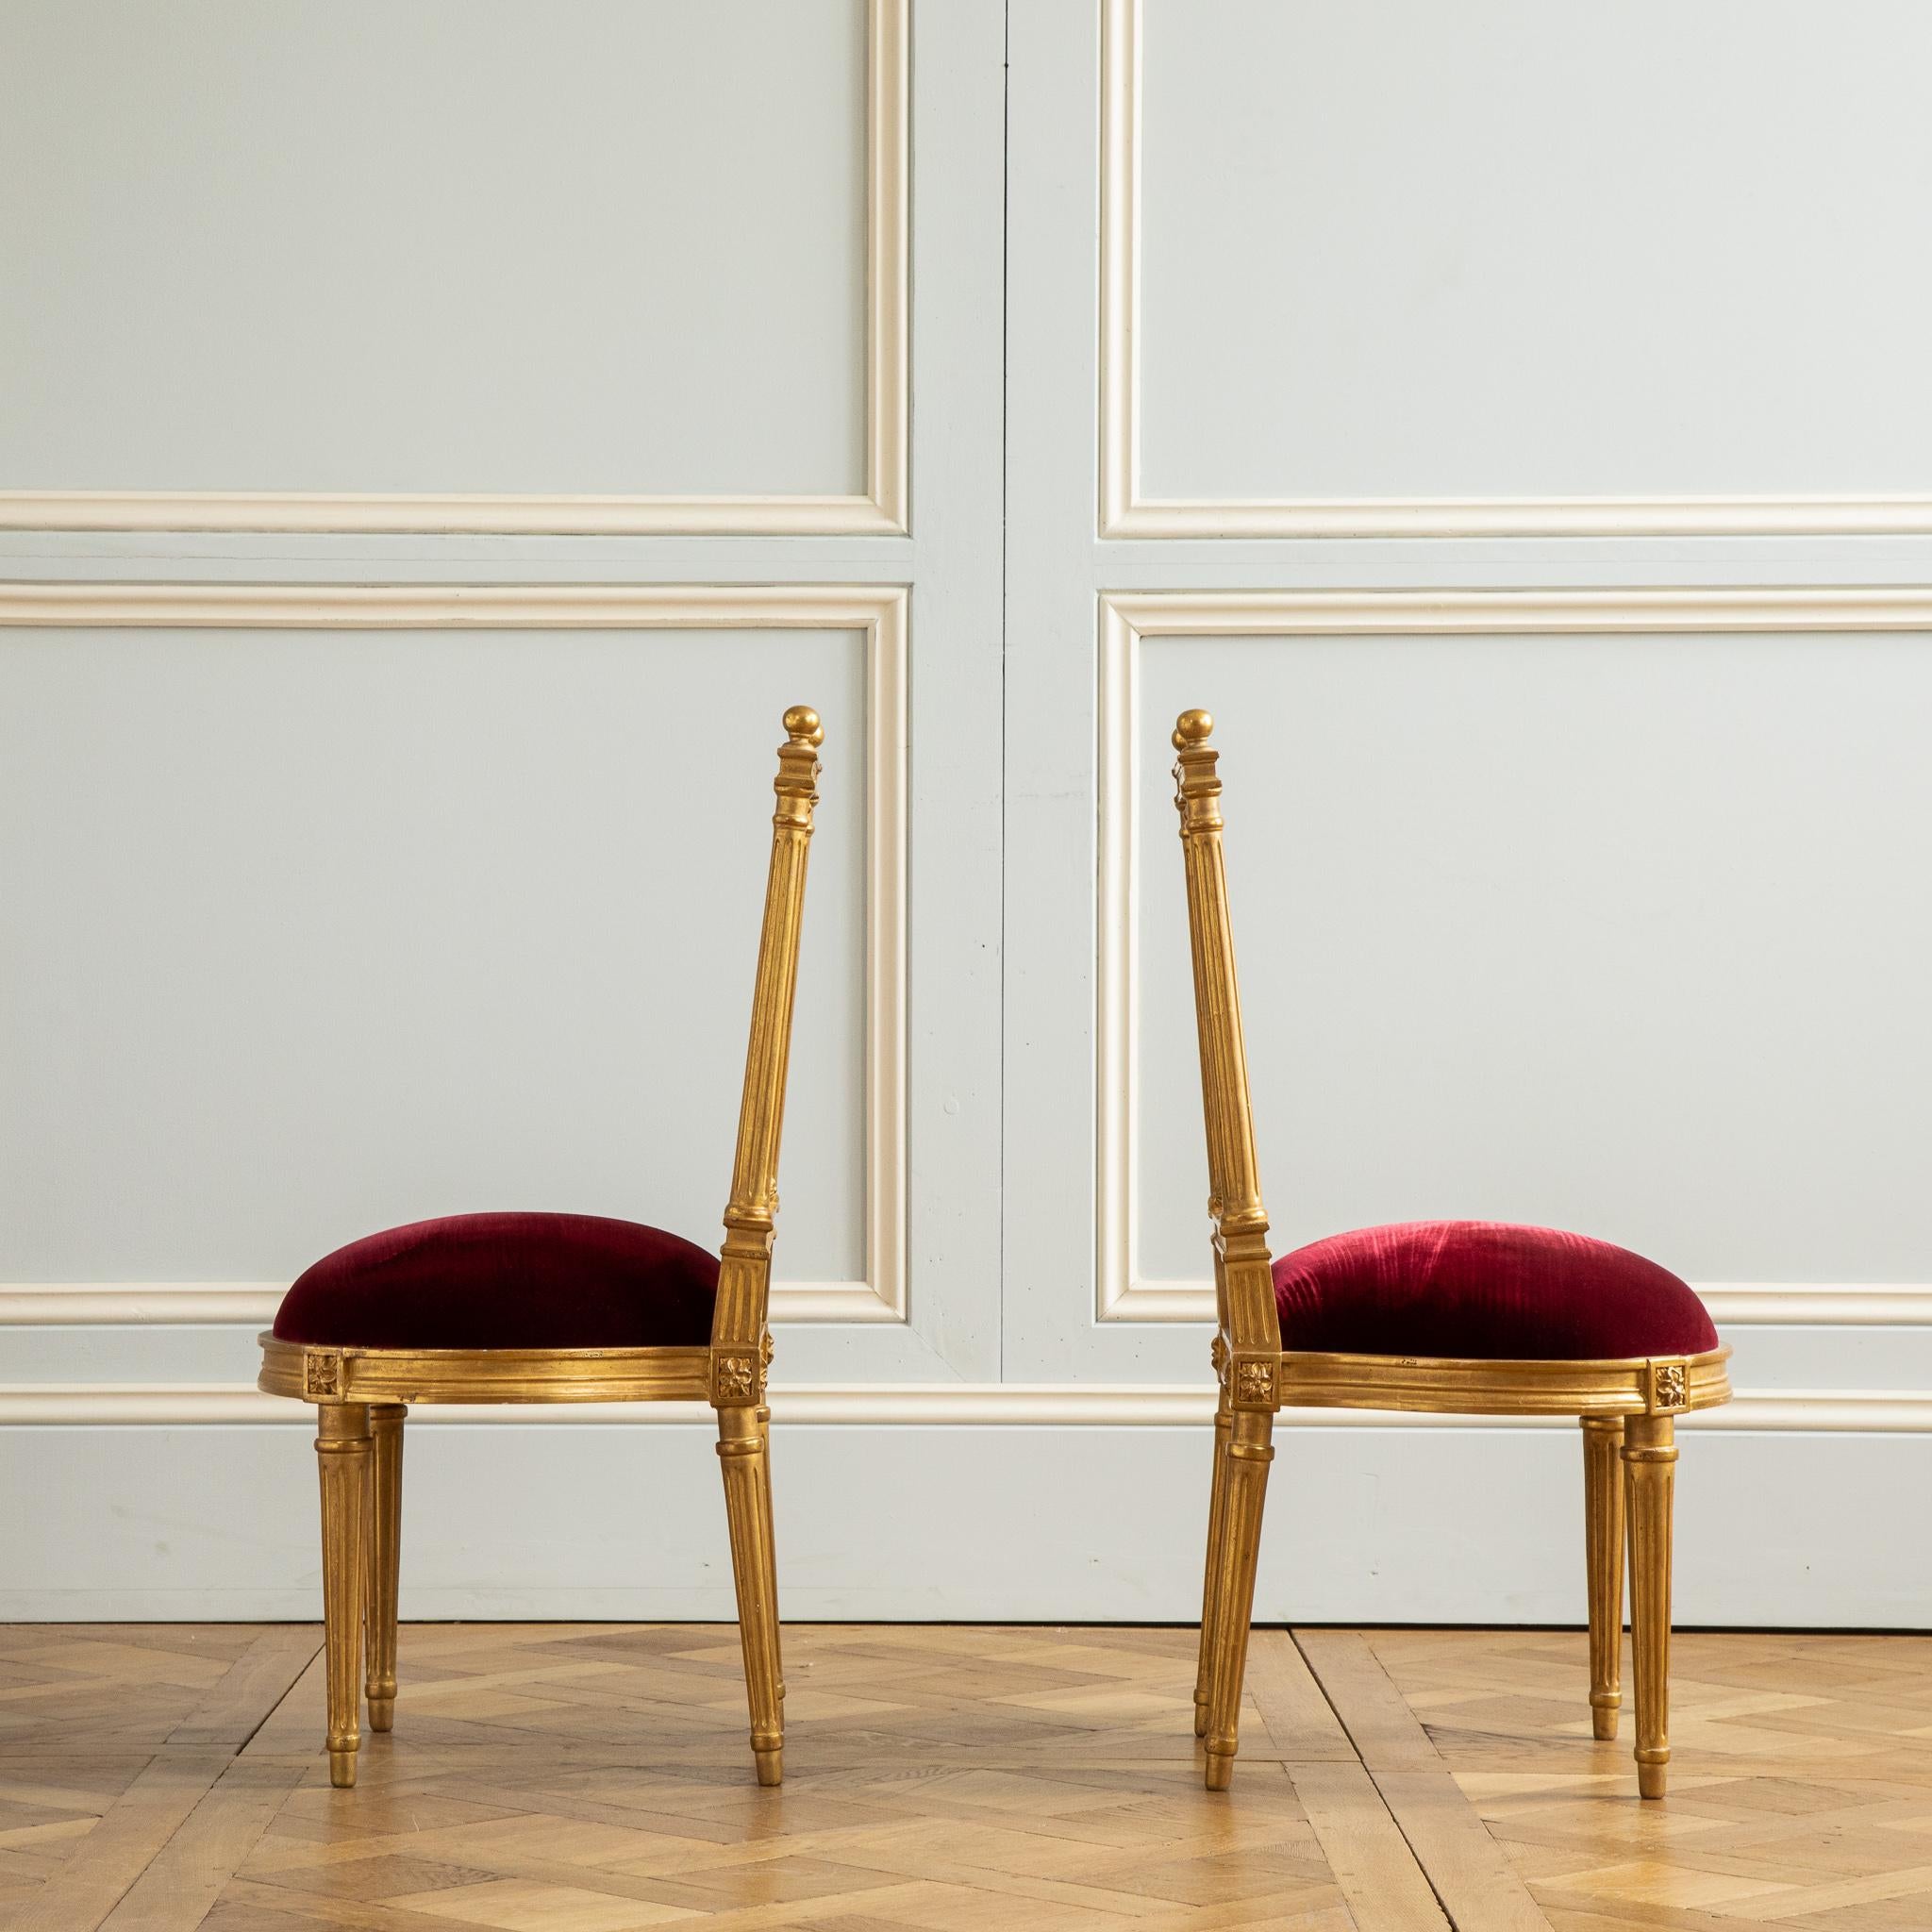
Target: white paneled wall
435	448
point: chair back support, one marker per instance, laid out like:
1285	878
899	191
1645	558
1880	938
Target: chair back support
1244	1291
744	1276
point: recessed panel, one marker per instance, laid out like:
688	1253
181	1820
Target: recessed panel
1621	934
307	933
1511	248
613	246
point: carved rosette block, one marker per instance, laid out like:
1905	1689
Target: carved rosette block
321	1373
1217	1354
1255	1382
736	1378
1667	1383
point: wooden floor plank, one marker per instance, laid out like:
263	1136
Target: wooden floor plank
299	1719
255	1684
119	1849
1373	1864
1380	1726
1383	1885
183	1881
1469	1872
1302	1725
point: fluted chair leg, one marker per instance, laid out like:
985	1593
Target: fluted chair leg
1603	1539
341	1450
1249	1454
743	1447
1650	1458
1217	1506
385	1559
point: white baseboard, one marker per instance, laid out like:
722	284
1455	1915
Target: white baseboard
1369	1519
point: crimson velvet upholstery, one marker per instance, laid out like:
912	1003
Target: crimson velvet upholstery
1484	1291
508	1281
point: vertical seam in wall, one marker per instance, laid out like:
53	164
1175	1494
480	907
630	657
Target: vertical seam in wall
1006	454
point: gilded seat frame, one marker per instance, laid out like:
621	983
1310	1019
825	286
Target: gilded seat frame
1627	1409
363	1395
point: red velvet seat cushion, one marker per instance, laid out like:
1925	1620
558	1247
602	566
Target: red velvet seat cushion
1486	1290
508	1281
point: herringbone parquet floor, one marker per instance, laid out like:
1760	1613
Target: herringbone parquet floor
594	1778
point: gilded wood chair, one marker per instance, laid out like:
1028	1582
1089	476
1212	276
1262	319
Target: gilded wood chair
1462	1318
556	1307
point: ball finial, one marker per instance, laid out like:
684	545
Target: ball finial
1192	728
801	721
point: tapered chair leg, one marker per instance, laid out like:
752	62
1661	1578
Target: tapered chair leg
1603	1539
1217	1506
341	1450
743	1447
1650	1459
385	1560
771	1545
1249	1453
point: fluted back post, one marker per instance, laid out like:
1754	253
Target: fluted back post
739	1341
1251	1338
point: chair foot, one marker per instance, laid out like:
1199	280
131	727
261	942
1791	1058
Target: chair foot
1603	1718
341	1767
382	1713
1200	1717
771	1765
1652	1777
1220	1768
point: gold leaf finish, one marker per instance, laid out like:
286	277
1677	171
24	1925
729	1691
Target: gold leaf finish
341	1450
1603	1539
1650	1481
385	1559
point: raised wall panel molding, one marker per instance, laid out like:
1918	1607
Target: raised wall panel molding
1126	512
939	1405
881	510
1826	1304
1732	1304
878	611
1126	617
134	1303
178	1304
